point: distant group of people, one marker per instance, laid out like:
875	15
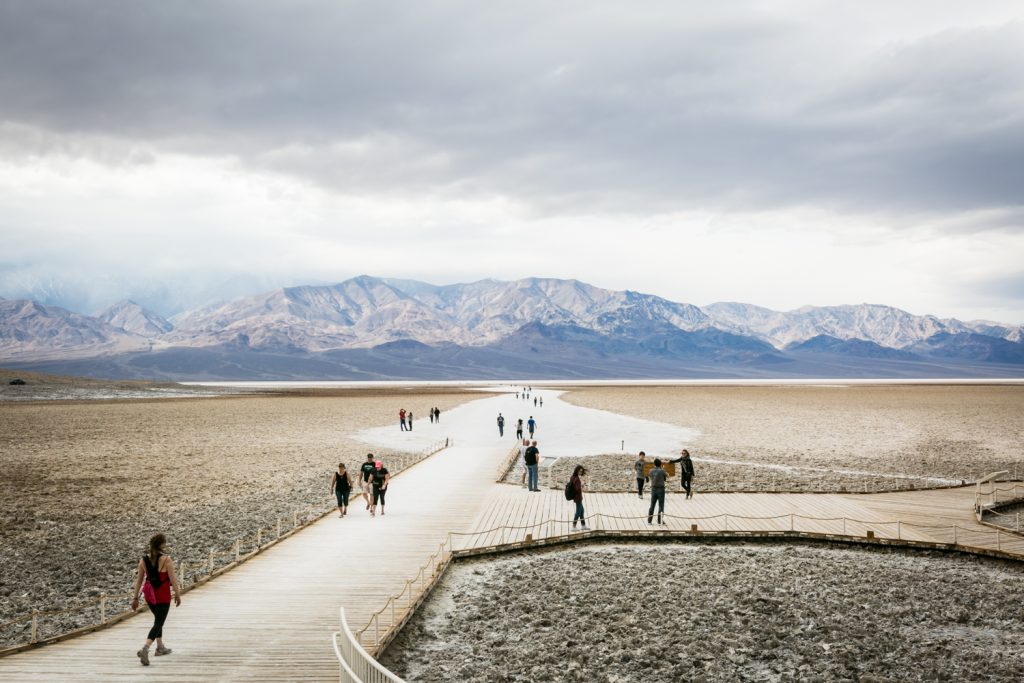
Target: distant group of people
374	480
531	426
405	418
538	401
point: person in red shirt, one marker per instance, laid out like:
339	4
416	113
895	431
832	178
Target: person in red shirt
156	577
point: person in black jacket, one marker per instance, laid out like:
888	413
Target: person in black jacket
685	471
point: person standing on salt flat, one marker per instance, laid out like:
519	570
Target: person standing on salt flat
430	414
501	425
577	495
531	426
640	478
657	477
541	401
685	472
519	428
534	401
409	418
401	418
437	414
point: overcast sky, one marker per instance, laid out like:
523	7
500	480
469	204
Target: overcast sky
773	153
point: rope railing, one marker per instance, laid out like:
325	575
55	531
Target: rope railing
191	572
998	495
384	624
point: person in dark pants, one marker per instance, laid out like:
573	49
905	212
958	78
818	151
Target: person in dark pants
577	496
380	479
531	457
156	577
364	473
501	425
640	478
657	477
437	414
341	487
531	426
519	428
685	472
401	418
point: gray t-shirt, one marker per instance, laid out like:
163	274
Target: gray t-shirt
639	466
658	477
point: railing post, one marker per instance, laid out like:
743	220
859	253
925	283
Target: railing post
35	626
1018	523
954	535
279	527
844	527
259	537
295	518
791	521
727	522
238	549
211	560
998	544
103	608
899	530
376	630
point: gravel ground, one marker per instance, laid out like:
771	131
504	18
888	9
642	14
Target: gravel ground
83	485
819	438
715	612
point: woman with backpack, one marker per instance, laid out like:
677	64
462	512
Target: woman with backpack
156	578
576	484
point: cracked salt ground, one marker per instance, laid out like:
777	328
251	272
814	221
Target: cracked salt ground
616	613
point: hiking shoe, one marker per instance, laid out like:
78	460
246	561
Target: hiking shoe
144	656
161	651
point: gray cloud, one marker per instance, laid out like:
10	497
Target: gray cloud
566	108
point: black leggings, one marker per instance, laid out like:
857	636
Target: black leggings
159	611
342	496
685	481
378	495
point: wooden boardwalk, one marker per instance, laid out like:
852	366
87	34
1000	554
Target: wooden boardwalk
271	618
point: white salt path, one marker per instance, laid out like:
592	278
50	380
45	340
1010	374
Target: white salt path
271	618
563	429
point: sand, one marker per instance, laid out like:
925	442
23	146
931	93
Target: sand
84	484
820	438
700	612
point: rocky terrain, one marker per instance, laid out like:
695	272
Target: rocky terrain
701	612
817	438
83	485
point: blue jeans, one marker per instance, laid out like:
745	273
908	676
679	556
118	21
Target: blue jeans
579	514
657	496
531	477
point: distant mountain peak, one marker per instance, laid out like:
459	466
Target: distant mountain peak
131	317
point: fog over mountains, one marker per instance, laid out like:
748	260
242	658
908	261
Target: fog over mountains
377	328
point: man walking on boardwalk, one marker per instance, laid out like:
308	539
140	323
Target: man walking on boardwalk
501	425
640	478
532	457
531	425
685	472
401	418
657	477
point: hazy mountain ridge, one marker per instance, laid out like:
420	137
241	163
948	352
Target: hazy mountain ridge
555	322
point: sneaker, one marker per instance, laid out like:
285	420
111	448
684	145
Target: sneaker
161	651
144	656
649	522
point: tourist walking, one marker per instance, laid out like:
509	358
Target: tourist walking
155	576
541	401
522	454
379	479
531	426
519	428
501	425
531	456
657	477
341	487
401	418
577	495
534	401
640	478
685	472
409	418
430	414
437	414
366	471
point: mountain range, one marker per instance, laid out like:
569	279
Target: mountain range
379	328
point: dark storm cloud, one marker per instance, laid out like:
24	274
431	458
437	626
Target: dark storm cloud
564	106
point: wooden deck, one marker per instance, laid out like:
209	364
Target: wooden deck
271	618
